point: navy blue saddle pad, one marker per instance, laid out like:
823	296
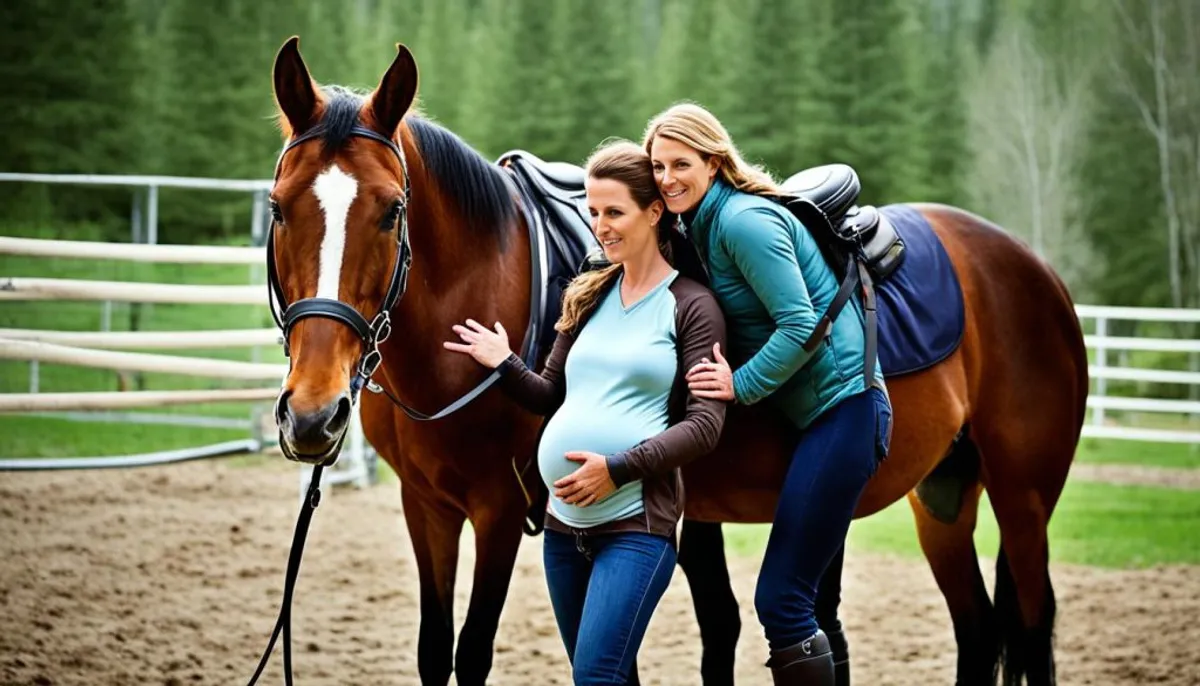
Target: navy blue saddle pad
920	306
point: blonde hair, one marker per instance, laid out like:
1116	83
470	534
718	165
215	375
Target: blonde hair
623	161
699	129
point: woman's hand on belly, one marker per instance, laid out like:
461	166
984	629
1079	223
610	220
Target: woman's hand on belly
589	483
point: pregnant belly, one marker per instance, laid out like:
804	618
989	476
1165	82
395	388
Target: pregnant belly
586	428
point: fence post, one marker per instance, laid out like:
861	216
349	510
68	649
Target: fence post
135	218
152	215
34	376
1100	364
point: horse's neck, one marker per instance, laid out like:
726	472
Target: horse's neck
457	274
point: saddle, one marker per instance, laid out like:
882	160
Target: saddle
839	224
560	234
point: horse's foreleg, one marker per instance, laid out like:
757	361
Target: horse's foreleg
950	550
497	538
702	559
434	529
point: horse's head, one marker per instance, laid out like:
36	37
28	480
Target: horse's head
338	247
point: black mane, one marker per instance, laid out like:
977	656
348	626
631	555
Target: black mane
479	188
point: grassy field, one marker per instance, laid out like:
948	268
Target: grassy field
1095	524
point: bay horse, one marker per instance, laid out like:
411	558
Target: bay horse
388	229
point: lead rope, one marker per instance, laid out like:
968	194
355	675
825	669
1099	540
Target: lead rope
284	623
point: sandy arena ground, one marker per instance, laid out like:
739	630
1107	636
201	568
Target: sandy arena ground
173	576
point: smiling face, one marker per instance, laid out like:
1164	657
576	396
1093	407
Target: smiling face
682	174
625	230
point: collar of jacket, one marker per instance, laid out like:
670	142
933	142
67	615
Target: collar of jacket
710	206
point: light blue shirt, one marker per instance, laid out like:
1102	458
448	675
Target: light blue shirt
619	374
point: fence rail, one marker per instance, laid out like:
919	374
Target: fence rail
139	362
20	288
125	400
90	250
149	340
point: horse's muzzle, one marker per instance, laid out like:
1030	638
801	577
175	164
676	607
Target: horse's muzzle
312	437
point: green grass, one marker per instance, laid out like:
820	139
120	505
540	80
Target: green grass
26	436
52	437
1095	524
1098	451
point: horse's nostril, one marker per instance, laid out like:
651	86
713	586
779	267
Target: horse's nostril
282	410
341	416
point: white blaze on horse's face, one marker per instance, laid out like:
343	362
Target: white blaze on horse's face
335	191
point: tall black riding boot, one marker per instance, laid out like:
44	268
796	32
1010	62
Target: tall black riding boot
841	657
808	663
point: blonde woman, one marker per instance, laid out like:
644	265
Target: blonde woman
773	286
622	422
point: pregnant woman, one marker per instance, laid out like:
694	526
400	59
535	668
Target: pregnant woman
622	419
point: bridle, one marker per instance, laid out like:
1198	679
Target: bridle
370	333
373	332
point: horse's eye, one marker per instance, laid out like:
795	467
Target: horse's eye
276	213
391	216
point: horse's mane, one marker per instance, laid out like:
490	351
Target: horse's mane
479	189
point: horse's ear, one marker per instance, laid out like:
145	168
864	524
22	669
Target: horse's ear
295	92
396	91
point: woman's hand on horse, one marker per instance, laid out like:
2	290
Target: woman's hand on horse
589	483
712	379
488	347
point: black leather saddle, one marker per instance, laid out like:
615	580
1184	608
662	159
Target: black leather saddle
555	205
559	188
833	189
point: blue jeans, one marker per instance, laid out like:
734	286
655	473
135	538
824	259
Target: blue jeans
832	463
604	588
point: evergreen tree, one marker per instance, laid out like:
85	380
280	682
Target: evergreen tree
784	94
600	102
441	59
68	104
940	111
870	88
484	122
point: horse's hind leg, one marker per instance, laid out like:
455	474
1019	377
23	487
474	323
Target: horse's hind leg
1024	472
702	559
434	529
1024	596
949	547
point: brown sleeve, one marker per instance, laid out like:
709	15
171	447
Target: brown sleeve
540	394
699	323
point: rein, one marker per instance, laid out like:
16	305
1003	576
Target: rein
284	623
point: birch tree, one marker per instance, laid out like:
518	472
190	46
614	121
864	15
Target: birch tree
1161	81
1026	130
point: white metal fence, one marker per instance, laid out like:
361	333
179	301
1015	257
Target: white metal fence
97	349
1175	416
1111	416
